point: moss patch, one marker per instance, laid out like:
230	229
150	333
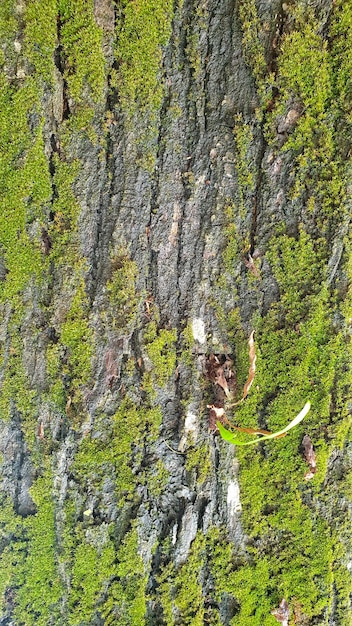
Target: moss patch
145	29
160	346
29	559
126	604
121	290
180	591
82	42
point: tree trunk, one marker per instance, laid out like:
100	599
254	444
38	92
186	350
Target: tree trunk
175	176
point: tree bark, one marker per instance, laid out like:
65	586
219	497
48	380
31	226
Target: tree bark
175	176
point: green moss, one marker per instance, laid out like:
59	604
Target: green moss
12	552
130	427
304	64
63	230
341	31
180	592
228	315
253	42
145	29
231	247
77	337
126	604
161	350
35	172
340	571
117	454
258	581
298	356
193	53
71	357
8	22
157	479
187	343
231	250
243	134
36	577
250	585
199	460
40	36
25	181
81	39
24	189
193	34
251	30
189	601
165	593
92	567
305	74
293	551
298	269
105	580
121	288
305	77
15	388
142	33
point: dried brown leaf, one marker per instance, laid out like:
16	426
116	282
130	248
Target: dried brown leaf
258	431
282	614
249	263
220	373
211	366
68	409
252	360
251	371
230	376
218	410
221	380
111	366
40	430
216	414
309	456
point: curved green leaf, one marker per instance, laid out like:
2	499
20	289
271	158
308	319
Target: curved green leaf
231	438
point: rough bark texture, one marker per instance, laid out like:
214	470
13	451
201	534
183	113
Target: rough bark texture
173	177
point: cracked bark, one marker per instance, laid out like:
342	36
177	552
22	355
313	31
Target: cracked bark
171	222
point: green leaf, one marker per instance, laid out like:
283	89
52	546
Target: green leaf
231	438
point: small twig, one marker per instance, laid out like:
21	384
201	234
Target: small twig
173	449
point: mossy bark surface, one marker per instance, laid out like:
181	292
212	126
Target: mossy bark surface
173	176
